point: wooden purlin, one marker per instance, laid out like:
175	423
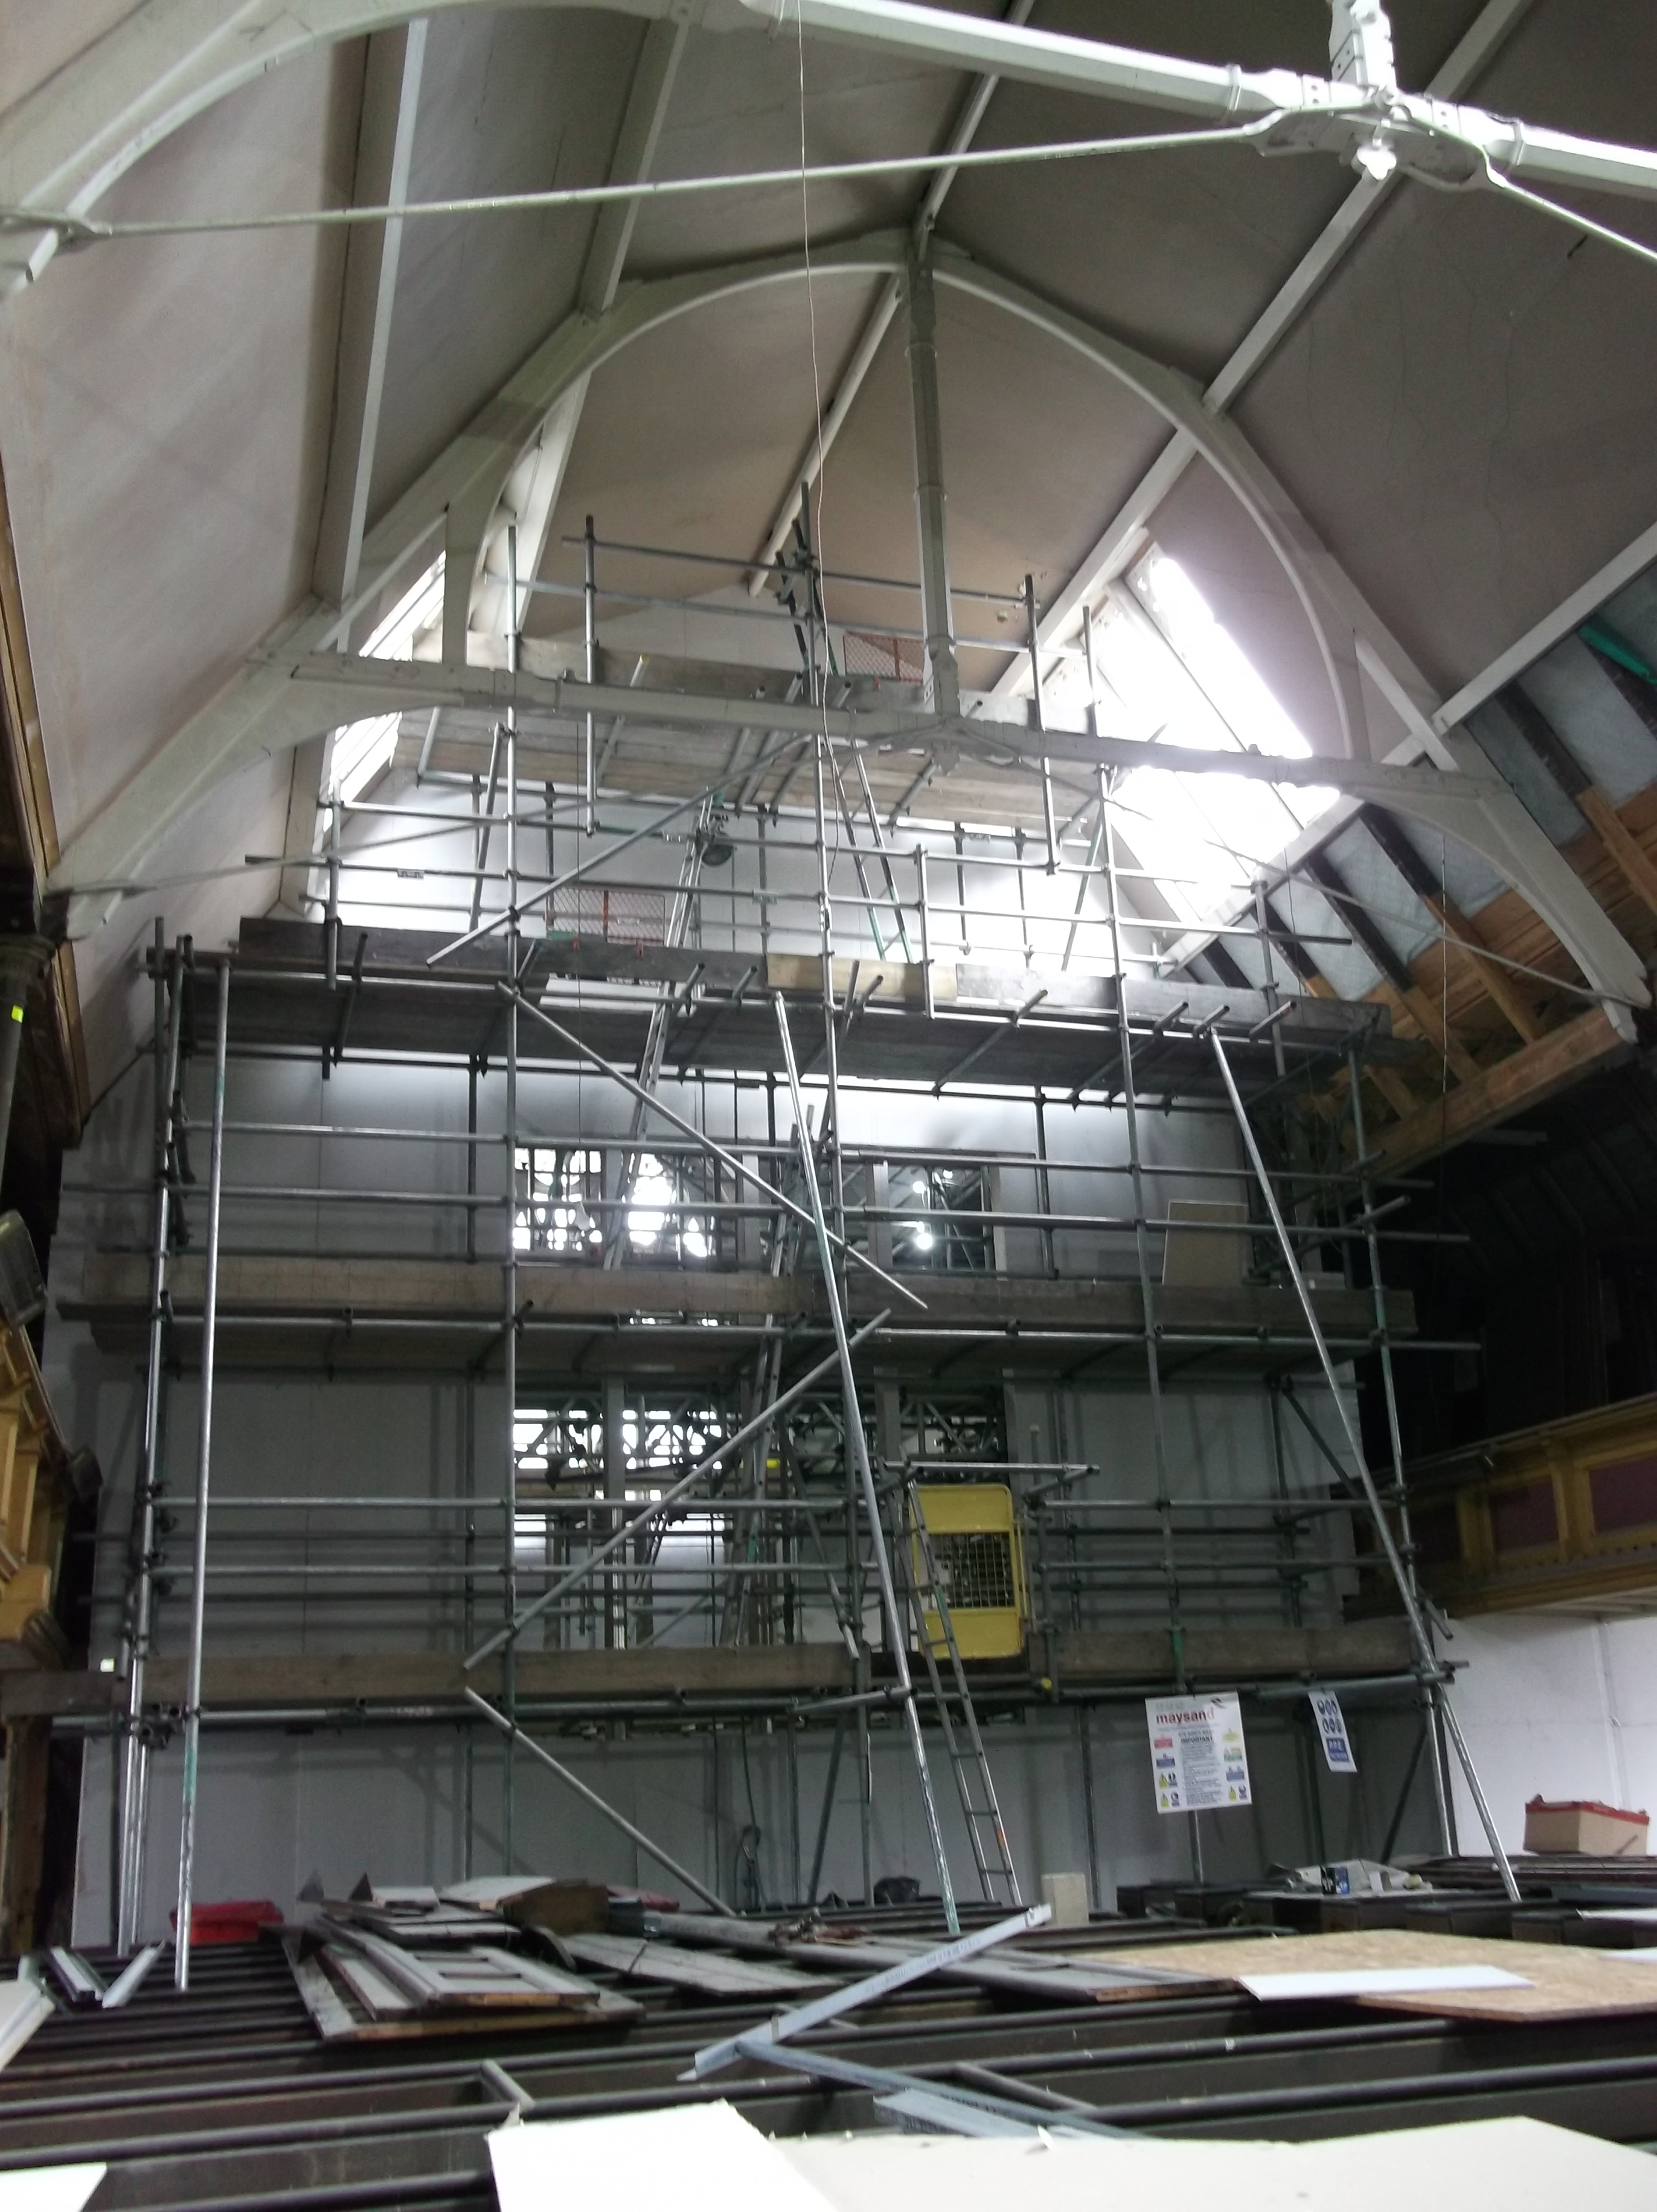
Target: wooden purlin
1525	1078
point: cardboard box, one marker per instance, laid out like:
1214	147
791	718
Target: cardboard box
568	1908
1583	1824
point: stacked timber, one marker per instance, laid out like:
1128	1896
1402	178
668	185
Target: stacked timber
386	1964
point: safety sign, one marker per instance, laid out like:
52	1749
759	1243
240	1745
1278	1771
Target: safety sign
1198	1757
1331	1726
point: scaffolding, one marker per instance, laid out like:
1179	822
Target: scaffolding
769	1501
784	1550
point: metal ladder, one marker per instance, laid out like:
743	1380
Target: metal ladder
968	1762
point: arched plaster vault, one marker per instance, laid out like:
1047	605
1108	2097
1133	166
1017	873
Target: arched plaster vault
63	145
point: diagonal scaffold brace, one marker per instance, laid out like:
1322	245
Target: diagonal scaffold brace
858	1445
1431	1668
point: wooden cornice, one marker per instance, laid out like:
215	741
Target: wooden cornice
29	838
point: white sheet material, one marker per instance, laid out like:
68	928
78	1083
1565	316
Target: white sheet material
1380	1981
23	2008
49	2188
697	2158
705	2158
1521	2166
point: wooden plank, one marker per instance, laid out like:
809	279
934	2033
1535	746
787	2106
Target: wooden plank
708	1972
339	2018
1499	985
1376	1647
550	1979
1630	857
333	2018
1523	1079
1569	1981
408	1677
1415	1006
379	1997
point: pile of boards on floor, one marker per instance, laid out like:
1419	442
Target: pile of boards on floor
517	1949
386	1962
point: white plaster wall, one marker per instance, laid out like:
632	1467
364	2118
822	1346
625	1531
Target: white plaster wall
1555	1706
277	1806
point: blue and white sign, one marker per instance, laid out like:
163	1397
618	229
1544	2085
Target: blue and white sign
1331	1726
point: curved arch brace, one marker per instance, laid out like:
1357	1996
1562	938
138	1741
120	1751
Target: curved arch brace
259	711
63	145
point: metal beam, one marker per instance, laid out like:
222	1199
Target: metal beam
1554	627
1382	124
391	97
1120	541
943	682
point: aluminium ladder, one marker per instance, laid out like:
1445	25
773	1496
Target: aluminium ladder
968	1762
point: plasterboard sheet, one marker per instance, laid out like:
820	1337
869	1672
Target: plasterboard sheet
1379	1982
49	2188
697	2158
1523	2166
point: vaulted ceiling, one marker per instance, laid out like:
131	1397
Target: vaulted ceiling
1463	409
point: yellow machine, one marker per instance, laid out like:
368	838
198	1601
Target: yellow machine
978	1555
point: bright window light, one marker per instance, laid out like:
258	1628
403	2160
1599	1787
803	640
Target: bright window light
1170	673
361	750
649	1224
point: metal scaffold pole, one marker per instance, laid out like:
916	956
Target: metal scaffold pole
857	1451
1430	1665
204	1471
510	1265
1142	1247
135	1756
1431	1693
